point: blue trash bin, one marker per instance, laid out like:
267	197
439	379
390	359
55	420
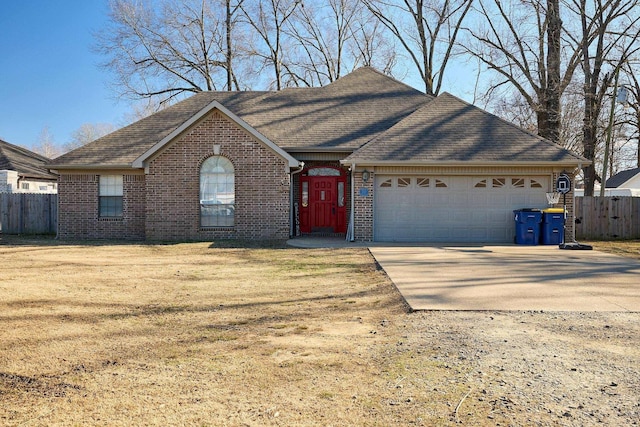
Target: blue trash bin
553	226
528	226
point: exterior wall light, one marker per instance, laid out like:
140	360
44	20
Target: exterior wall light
366	175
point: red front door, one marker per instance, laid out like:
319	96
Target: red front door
322	207
323	204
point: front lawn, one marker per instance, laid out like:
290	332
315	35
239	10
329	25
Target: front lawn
117	334
191	334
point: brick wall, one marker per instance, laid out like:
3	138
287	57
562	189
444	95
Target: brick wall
173	185
363	224
78	208
570	223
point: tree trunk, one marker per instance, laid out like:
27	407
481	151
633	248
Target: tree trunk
229	49
553	90
589	143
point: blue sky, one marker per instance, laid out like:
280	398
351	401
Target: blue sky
48	74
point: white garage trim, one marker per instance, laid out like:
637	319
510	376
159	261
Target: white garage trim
453	208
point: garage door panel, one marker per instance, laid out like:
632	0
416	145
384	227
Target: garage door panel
468	209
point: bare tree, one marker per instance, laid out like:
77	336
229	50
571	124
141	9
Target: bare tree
168	48
427	30
370	45
521	44
632	119
268	19
86	133
333	38
46	145
609	36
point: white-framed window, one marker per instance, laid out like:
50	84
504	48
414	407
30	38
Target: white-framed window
111	196
217	192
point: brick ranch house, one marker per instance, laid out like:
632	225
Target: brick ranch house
367	157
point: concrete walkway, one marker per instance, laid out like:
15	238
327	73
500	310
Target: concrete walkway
509	277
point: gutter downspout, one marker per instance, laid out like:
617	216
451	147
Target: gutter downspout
292	218
350	230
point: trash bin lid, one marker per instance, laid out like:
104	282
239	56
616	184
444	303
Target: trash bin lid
553	210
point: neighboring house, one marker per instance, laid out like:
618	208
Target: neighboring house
625	183
625	179
23	171
367	157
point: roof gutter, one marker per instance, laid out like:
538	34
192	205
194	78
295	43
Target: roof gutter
54	166
576	163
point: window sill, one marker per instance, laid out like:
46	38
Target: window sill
111	218
217	228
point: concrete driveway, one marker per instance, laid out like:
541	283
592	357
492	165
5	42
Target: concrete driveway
511	277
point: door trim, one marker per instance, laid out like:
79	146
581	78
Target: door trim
309	206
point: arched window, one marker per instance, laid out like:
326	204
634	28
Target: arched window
217	192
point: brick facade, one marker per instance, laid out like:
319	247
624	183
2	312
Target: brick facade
173	185
570	223
78	208
363	223
164	203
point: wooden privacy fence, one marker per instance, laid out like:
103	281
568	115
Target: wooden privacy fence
23	213
606	218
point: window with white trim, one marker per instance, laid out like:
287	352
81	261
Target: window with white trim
217	192
111	196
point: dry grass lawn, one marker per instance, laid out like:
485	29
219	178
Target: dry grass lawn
626	248
193	334
207	334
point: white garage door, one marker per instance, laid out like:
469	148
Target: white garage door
453	208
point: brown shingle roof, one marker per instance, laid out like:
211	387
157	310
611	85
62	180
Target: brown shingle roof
27	163
341	116
122	147
380	117
451	130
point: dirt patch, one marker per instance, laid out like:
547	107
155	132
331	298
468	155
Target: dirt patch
199	334
534	368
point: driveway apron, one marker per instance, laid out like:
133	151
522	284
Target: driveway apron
513	277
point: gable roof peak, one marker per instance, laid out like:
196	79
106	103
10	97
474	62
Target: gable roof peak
369	79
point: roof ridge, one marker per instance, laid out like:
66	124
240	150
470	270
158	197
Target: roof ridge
359	72
22	150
